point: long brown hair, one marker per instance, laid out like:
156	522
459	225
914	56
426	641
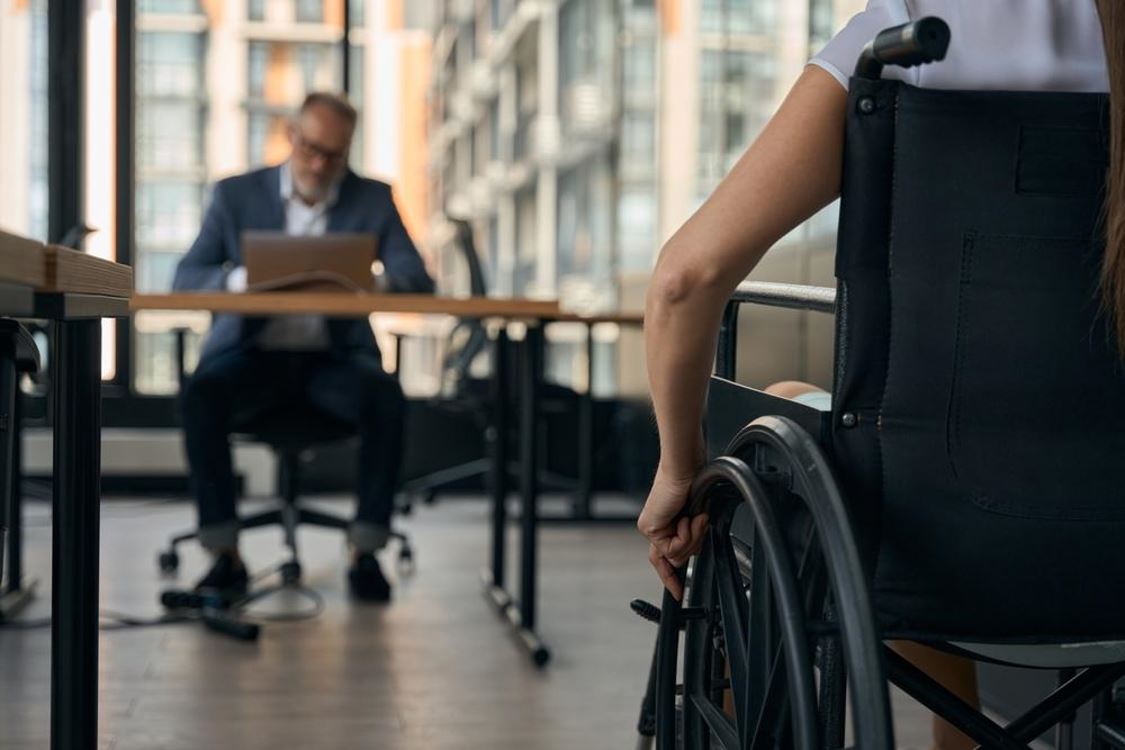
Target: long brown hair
1112	14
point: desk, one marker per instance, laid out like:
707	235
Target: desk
521	613
74	293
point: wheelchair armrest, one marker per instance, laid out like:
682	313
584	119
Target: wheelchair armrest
793	296
771	294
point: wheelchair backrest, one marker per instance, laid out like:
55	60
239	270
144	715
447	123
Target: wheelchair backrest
979	399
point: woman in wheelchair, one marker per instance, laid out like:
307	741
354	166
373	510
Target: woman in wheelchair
907	360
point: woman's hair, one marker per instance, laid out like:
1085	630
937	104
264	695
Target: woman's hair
1112	13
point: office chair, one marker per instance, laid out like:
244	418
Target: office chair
290	431
965	489
463	394
460	393
18	356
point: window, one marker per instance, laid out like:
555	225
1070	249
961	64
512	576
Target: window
739	16
357	12
584	248
169	136
586	59
168	217
169	6
310	11
638	144
636	228
23	129
169	64
820	23
737	92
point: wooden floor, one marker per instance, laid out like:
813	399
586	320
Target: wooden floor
434	670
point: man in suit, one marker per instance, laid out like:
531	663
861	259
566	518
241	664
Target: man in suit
253	365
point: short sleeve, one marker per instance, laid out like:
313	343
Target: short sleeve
839	56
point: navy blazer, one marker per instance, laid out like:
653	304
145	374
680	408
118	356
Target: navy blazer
253	201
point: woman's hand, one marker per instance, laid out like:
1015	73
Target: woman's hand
672	538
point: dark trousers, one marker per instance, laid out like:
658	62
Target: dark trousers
228	391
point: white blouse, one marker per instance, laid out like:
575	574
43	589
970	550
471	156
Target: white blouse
1014	45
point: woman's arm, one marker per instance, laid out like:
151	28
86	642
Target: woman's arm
790	171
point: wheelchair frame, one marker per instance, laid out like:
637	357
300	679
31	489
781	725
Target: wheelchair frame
842	643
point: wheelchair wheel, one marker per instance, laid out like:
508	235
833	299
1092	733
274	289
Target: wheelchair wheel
777	614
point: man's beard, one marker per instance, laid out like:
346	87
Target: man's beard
312	193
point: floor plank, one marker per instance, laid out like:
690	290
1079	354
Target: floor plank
433	670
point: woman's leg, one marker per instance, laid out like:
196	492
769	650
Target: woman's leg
791	388
956	674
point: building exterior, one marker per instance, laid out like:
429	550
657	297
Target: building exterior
577	135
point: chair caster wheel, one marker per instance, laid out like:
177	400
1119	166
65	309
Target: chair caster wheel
169	561
406	561
291	572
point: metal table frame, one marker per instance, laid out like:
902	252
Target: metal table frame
76	334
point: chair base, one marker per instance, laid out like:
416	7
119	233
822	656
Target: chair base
14	601
289	517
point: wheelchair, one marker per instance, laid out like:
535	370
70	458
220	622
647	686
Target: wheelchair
967	488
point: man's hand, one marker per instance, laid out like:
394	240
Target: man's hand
236	279
672	538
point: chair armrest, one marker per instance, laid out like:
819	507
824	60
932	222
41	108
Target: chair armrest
770	294
793	296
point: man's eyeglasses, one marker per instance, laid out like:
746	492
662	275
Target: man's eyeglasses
310	150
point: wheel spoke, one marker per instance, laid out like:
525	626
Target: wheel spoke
761	638
699	654
775	706
733	608
718	723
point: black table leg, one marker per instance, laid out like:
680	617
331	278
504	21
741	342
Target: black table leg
531	374
582	500
76	364
521	614
499	440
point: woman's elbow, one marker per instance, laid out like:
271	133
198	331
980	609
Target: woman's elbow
676	283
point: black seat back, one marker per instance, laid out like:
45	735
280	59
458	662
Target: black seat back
976	364
469	337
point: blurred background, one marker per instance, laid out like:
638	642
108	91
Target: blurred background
575	135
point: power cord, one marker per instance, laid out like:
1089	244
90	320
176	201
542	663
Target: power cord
230	617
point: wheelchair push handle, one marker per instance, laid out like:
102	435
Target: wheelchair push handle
915	43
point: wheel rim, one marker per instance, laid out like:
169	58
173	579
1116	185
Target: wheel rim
772	442
763	642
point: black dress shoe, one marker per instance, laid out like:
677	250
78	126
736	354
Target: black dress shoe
366	580
227	577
